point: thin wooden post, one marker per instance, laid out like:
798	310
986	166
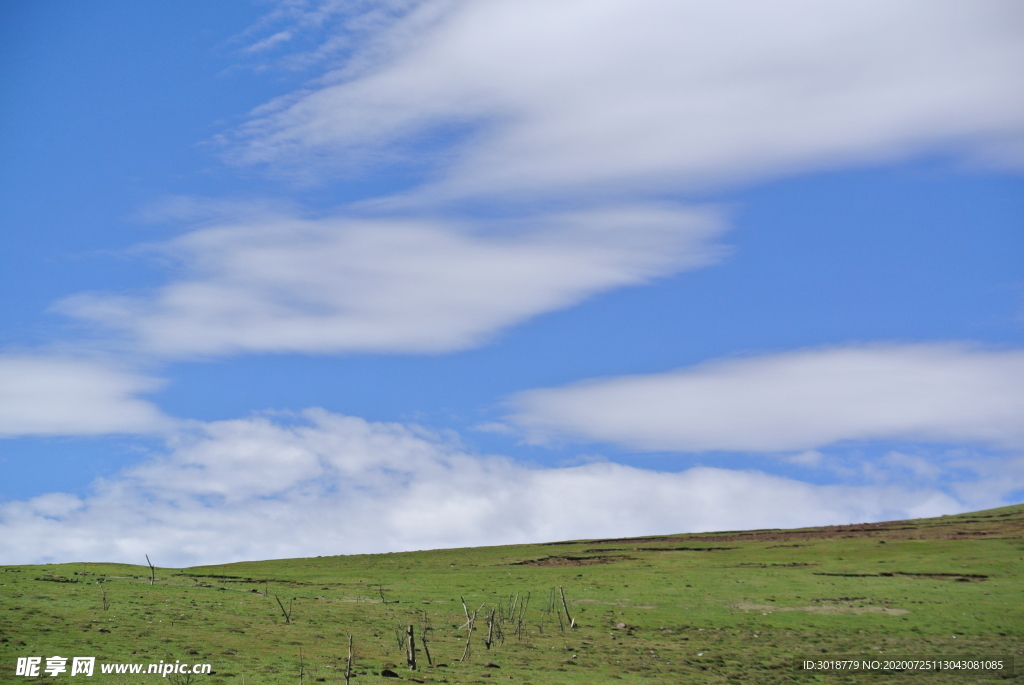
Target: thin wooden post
348	661
522	615
565	605
152	571
490	629
410	657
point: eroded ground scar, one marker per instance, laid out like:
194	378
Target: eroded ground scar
572	561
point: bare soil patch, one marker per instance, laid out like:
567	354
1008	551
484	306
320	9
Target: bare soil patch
958	577
824	609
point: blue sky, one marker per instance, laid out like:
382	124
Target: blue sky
280	278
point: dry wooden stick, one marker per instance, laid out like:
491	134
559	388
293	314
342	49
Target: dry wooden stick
522	615
423	638
552	608
400	637
469	635
512	608
152	571
287	614
499	628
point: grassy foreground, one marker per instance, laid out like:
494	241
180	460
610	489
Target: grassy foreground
733	607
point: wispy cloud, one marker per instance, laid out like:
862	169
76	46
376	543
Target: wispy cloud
275	283
795	401
63	395
298	34
327	484
585	96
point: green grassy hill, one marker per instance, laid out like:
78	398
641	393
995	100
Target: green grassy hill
734	607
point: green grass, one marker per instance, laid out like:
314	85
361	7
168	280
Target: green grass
704	608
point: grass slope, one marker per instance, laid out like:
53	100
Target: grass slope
732	607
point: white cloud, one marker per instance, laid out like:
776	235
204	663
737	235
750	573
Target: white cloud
621	100
329	484
274	283
652	95
795	401
55	395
